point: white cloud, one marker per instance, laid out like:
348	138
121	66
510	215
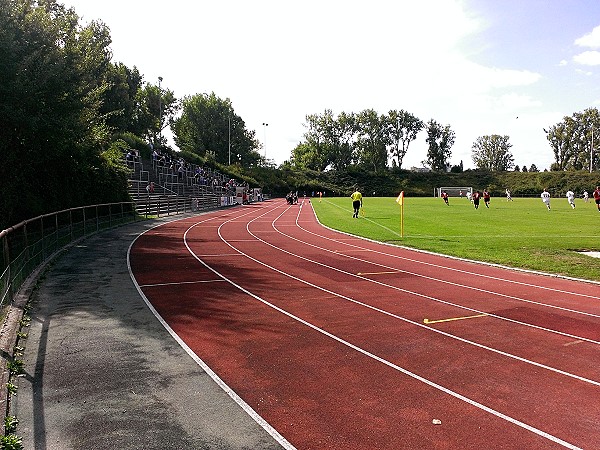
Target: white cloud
591	40
515	102
589	58
563	62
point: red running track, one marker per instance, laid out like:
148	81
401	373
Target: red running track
335	342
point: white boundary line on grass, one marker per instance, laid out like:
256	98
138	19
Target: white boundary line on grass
427	252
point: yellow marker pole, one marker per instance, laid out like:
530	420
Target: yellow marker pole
402	220
400	201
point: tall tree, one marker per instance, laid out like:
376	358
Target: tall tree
209	124
154	111
404	128
574	141
315	151
492	152
52	130
305	156
119	104
559	137
343	135
373	140
440	139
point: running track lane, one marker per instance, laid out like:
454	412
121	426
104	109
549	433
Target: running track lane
322	334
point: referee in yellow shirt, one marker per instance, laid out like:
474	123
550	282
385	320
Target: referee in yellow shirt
356	202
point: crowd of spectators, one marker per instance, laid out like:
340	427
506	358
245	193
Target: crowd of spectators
198	175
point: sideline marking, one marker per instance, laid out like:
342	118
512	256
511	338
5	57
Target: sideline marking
243	240
454	318
179	283
376	273
219	255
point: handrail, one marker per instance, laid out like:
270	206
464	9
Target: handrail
28	244
25	222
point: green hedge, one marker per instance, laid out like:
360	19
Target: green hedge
422	184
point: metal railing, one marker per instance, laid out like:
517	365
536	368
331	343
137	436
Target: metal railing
27	245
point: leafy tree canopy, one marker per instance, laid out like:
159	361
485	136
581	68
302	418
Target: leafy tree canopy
492	152
155	108
209	124
55	79
440	139
404	128
366	138
573	142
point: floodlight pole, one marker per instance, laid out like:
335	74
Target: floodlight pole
592	151
159	109
265	125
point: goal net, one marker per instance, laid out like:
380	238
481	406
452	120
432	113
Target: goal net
454	191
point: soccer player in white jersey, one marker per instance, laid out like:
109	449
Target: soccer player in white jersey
546	198
571	198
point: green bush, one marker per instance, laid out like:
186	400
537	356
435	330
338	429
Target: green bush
134	142
11	442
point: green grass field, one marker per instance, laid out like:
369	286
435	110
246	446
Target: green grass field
521	233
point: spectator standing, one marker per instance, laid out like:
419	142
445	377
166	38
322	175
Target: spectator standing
508	196
150	188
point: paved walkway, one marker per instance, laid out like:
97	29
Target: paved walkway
102	373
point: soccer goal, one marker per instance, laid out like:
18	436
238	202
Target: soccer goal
454	191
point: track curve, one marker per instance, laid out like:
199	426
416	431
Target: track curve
336	342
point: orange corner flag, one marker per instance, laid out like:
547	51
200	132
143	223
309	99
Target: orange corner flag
400	199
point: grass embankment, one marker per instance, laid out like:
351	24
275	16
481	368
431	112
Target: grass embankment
521	233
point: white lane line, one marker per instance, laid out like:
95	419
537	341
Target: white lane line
519	299
230	392
219	255
379	359
429	297
382	311
179	283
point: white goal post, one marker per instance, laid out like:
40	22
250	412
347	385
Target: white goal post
453	191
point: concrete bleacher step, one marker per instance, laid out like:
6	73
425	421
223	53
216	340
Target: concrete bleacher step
171	194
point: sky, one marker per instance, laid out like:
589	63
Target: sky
508	67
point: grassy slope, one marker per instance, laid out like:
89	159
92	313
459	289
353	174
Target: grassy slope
522	233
